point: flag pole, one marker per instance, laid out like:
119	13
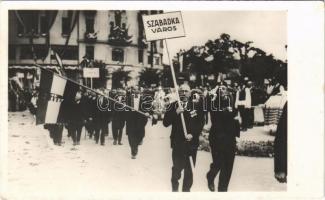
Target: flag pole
98	93
178	98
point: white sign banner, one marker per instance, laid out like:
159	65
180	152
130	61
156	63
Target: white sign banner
163	26
91	72
20	75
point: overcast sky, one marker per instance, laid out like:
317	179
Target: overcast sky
267	30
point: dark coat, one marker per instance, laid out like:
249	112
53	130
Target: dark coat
280	143
102	112
135	122
194	121
224	126
118	116
76	113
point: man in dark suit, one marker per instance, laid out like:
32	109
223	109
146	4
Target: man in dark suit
76	118
102	118
118	119
90	106
222	137
135	121
184	147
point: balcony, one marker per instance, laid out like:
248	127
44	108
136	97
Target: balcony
119	36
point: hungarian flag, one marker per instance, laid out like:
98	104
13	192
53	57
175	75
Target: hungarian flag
56	93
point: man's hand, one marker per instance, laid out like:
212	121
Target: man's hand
147	114
188	137
281	177
179	110
155	116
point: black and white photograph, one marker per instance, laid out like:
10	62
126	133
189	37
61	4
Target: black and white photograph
103	101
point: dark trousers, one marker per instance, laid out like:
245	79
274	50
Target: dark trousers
244	114
75	131
56	133
181	161
135	137
223	155
117	131
250	117
90	127
100	131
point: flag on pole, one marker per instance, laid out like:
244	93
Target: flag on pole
58	59
55	95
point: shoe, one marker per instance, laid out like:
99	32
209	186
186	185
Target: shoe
114	143
174	187
244	129
74	143
102	144
133	157
120	143
141	142
210	183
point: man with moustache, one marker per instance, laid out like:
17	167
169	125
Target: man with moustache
184	147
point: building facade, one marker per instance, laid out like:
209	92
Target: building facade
115	38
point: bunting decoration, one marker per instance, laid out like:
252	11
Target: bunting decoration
73	18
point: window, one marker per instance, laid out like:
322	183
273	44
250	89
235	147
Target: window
154	46
90	52
34	21
161	43
12	52
149	59
26	52
20	29
157	61
140	55
70	52
65	26
118	18
118	55
44	23
90	25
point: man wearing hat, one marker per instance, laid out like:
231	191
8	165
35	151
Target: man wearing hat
184	146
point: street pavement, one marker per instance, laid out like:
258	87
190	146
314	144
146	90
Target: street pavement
36	167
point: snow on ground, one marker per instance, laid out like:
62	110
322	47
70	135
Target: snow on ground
36	167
